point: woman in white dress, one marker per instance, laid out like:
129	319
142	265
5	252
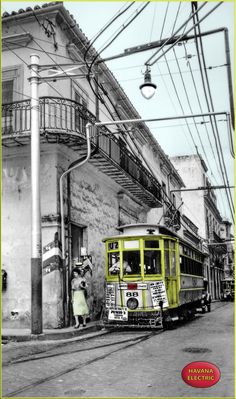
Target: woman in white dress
79	304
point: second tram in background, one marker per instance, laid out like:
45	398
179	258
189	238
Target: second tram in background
227	289
153	278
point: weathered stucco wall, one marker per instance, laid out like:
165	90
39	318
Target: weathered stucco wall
96	204
192	173
16	230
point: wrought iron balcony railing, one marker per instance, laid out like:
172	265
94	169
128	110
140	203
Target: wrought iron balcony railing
63	121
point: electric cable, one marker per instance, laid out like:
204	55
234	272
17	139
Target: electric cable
153	20
206	129
212	107
48	83
107	25
181	37
228	193
190	107
104	48
164	20
198	99
167	40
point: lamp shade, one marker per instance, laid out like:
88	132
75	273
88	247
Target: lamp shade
147	88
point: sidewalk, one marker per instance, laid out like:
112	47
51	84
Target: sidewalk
21	335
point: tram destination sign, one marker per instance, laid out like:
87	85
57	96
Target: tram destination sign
158	293
118	314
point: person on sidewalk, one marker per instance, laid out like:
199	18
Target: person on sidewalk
78	287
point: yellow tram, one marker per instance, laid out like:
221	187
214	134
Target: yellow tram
152	278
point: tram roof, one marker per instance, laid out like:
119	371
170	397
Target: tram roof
142	229
149	230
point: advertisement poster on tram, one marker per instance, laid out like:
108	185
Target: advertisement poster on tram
117	199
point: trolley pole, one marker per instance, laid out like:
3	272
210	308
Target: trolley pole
36	249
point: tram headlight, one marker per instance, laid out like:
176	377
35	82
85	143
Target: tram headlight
132	303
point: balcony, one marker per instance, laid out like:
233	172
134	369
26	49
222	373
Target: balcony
172	217
63	121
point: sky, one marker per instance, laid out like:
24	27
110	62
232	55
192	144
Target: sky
176	93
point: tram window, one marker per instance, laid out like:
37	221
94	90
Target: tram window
131	262
167	263
151	244
114	262
166	244
172	245
180	249
173	264
152	262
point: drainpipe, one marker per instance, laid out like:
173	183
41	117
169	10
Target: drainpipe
73	165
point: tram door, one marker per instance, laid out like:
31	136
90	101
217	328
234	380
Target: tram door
170	256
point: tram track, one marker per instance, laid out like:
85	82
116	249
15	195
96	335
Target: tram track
36	357
125	344
40	381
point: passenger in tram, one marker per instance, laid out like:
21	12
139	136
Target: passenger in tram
115	268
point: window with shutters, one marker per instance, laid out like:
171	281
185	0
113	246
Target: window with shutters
80	120
12	84
12	90
7	91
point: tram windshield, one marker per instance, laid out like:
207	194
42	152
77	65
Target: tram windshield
134	257
152	262
130	265
131	262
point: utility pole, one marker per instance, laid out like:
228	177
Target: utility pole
36	244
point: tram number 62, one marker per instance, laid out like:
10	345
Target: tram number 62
131	294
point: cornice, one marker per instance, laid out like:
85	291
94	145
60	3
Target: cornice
16	41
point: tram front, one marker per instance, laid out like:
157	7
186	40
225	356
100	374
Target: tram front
135	277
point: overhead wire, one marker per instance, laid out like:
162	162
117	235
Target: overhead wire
198	100
169	73
167	200
167	40
121	30
137	148
176	92
50	85
56	64
181	37
214	127
190	105
107	25
183	84
205	124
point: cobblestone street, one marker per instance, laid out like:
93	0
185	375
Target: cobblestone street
124	364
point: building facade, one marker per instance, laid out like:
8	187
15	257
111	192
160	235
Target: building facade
201	207
128	178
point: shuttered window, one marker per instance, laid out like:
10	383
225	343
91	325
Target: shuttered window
7	91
